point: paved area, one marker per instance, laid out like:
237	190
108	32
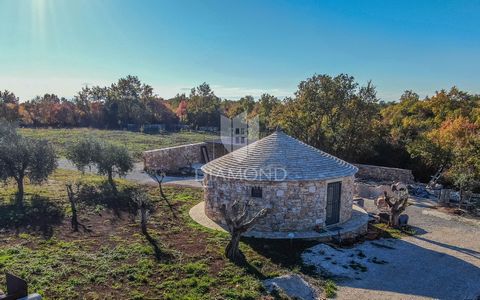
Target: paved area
356	224
441	262
138	175
197	213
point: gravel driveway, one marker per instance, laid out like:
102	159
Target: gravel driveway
441	262
138	175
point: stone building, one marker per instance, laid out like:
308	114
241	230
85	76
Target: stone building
304	188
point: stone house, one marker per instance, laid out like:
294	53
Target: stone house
303	187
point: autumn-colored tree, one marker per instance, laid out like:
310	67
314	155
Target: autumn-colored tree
9	105
182	110
455	145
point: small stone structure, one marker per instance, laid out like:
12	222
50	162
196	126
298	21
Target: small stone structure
172	159
386	174
304	188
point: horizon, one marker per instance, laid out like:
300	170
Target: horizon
251	48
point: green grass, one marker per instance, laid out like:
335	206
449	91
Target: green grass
116	261
330	289
386	231
135	142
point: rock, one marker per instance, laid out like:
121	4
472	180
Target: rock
293	286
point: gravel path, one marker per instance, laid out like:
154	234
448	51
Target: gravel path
441	262
138	175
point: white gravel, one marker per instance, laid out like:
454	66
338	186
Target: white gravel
441	262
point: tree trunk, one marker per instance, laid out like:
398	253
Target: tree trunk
461	198
394	216
162	194
20	191
112	182
73	206
232	251
74	216
143	218
161	190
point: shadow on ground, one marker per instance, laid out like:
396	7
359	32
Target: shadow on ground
286	253
413	270
38	213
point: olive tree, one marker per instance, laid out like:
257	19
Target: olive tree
111	160
239	220
108	159
22	158
83	152
158	175
397	202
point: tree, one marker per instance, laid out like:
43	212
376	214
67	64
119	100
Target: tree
73	192
22	158
84	153
108	159
267	104
333	114
397	201
203	107
73	205
159	175
454	147
144	206
113	159
9	106
239	221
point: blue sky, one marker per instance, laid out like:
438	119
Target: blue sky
238	47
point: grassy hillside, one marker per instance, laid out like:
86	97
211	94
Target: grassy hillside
135	142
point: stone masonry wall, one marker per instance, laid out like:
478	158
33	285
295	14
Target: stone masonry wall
293	205
370	172
171	159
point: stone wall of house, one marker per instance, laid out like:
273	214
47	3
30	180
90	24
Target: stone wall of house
293	205
171	159
377	173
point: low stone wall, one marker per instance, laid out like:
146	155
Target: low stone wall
293	205
386	174
172	159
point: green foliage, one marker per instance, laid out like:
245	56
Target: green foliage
22	158
333	114
203	107
436	131
112	159
108	159
83	152
330	289
116	261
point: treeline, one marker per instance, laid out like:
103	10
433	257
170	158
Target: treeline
127	101
333	113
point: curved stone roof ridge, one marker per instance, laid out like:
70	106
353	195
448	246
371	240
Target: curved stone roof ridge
279	157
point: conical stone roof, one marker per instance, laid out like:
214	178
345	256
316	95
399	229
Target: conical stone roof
279	157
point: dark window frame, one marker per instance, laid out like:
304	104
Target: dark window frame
256	192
